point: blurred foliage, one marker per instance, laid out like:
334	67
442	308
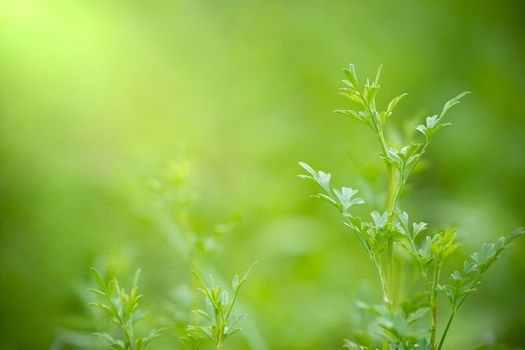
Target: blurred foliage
97	97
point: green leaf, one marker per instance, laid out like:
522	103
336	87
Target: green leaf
417	315
136	278
391	106
379	220
353	346
345	197
322	178
378	75
514	234
469	267
115	343
352	76
362	116
442	244
418	228
235	282
248	272
105	308
98	278
325	198
96	291
490	252
453	102
370	93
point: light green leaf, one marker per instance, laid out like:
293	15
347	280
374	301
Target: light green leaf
98	278
352	76
453	102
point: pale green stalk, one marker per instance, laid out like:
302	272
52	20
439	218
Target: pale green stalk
433	304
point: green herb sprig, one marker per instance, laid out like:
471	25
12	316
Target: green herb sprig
220	323
123	309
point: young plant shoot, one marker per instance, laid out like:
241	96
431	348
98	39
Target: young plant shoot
220	323
410	323
122	309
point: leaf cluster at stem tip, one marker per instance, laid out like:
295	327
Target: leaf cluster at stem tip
123	309
220	323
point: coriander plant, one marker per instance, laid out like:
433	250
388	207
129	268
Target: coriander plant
122	308
410	323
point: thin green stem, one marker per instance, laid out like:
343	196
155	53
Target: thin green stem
379	270
133	344
390	271
421	269
358	235
404	177
382	141
381	277
234	300
433	304
449	322
390	248
455	306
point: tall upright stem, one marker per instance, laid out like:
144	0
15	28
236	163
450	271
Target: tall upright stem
389	208
390	248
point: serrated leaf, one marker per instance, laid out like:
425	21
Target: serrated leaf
322	178
468	267
456	276
379	220
345	197
418	228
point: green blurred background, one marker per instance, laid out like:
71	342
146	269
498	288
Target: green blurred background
119	118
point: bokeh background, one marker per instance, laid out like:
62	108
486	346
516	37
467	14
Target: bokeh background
129	126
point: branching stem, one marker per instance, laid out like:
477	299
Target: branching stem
455	306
